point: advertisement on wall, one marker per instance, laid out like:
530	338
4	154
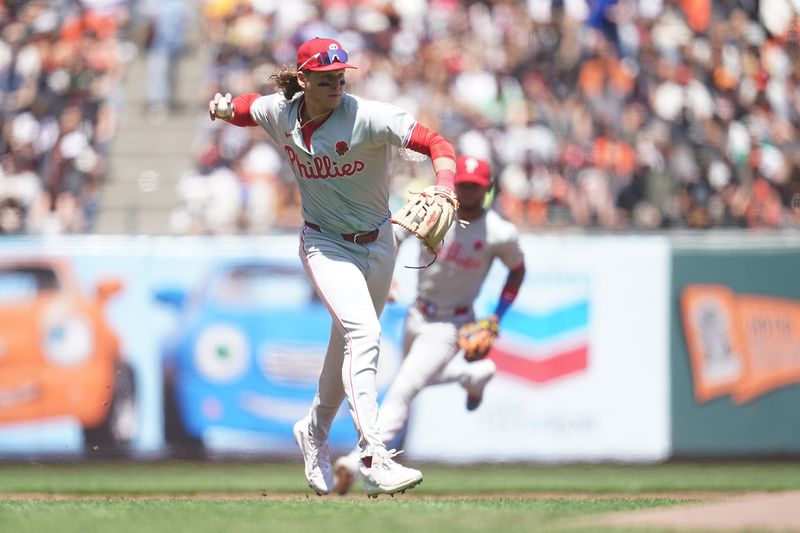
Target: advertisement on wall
736	351
740	345
582	362
158	346
60	357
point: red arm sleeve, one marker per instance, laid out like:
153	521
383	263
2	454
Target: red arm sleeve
434	146
430	143
241	108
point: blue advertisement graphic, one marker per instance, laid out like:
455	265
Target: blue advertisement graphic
224	338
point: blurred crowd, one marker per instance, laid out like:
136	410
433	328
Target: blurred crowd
61	66
608	114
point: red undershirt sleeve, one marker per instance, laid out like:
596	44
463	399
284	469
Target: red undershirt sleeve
434	146
241	107
430	143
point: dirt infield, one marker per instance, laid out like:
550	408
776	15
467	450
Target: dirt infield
757	511
707	511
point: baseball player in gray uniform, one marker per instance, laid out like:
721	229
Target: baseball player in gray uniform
339	147
446	292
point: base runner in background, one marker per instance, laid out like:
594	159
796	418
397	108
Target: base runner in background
446	292
338	146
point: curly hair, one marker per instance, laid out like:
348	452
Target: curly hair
286	82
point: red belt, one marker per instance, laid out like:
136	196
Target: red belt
358	238
431	309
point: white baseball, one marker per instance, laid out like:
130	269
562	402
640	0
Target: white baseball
223	109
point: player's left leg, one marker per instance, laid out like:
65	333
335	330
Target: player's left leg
346	468
382	475
428	347
343	287
337	271
472	376
432	349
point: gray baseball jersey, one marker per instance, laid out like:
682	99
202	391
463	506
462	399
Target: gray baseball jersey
353	146
463	261
344	187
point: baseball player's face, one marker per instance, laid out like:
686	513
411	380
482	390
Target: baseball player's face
470	196
323	90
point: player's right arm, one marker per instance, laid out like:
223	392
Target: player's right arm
235	111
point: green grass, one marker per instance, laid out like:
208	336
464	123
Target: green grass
289	507
301	515
243	477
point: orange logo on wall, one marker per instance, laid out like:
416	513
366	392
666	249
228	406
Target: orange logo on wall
743	345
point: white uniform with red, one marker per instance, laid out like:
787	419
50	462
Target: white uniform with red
446	292
342	178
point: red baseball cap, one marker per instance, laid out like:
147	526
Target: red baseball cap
472	170
320	54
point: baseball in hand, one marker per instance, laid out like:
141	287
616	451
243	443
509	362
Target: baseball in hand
223	109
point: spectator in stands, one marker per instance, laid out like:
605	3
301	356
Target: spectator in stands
60	74
612	114
12	217
169	22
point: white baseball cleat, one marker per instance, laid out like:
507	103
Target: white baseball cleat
481	372
346	472
317	458
388	477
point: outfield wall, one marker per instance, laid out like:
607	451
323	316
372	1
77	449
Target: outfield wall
593	361
735	337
